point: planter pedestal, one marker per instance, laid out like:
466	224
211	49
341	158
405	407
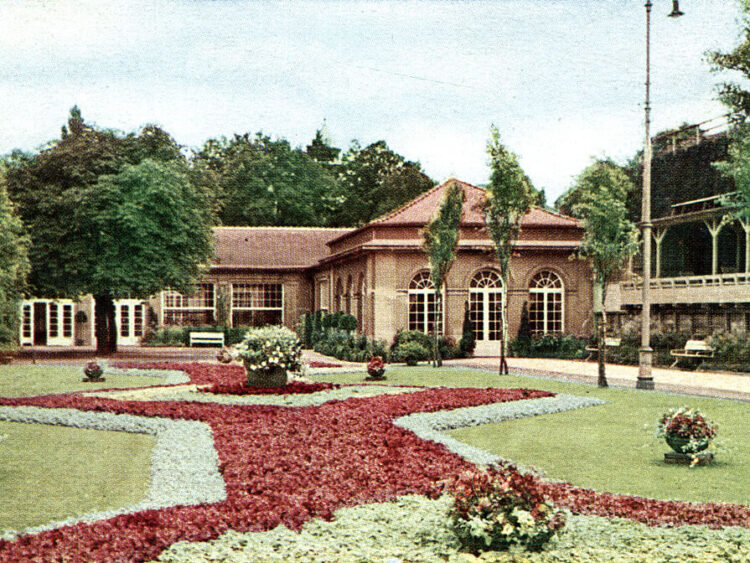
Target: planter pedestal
266	378
687	459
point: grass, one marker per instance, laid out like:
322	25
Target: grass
28	381
611	447
50	473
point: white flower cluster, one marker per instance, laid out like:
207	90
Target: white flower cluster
270	347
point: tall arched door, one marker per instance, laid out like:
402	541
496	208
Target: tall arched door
485	310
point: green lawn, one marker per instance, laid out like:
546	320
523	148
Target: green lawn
610	447
50	473
27	381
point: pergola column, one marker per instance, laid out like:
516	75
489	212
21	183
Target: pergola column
714	227
658	235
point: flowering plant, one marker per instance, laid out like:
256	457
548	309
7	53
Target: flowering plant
269	350
93	370
686	430
495	510
376	367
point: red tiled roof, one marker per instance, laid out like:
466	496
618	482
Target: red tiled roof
421	210
272	247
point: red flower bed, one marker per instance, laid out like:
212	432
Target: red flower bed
287	465
294	388
324	365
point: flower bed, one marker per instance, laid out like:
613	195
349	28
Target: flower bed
286	466
323	365
294	388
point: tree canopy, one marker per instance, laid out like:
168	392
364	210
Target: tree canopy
732	93
14	266
376	180
260	181
440	241
111	215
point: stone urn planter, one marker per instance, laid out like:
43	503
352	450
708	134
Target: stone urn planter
679	444
276	377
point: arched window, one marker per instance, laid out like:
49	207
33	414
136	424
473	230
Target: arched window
338	294
424	314
348	295
486	305
546	303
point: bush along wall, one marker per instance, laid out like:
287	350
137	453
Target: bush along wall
562	346
180	335
412	346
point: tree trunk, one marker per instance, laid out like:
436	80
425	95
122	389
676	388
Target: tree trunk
601	341
438	360
503	368
106	327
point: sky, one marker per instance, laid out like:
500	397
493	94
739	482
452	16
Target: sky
562	80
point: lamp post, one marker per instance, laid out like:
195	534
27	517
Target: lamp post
645	379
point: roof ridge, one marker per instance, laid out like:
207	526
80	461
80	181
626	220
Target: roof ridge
556	213
285	227
393	213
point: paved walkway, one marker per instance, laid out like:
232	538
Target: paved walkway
711	384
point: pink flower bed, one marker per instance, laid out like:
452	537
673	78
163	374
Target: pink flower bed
287	465
323	365
294	388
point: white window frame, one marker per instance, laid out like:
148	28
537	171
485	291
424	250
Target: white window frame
426	288
186	303
545	292
484	292
251	308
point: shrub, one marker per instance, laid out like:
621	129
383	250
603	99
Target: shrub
268	353
467	344
410	352
449	349
562	346
730	352
167	336
495	511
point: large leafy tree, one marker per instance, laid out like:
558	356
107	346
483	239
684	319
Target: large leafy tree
440	241
733	93
376	180
14	266
510	196
261	181
111	215
599	195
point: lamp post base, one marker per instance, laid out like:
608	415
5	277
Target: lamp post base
645	379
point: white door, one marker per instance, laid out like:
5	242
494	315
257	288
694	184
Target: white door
129	319
59	323
485	311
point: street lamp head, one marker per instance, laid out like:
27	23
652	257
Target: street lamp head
676	13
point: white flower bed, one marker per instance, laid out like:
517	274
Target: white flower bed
431	426
170	376
184	462
292	400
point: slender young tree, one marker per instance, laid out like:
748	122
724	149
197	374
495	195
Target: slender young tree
610	237
510	196
440	241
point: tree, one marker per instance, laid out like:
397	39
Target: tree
737	168
510	196
321	148
440	241
14	266
260	181
376	180
610	237
738	61
110	215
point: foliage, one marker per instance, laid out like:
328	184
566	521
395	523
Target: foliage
321	150
14	267
440	242
734	94
410	352
293	388
93	370
493	511
268	348
737	168
376	367
260	181
687	423
562	346
730	352
468	341
180	335
510	195
349	347
134	223
376	180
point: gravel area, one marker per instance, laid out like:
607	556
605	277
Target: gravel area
184	462
431	426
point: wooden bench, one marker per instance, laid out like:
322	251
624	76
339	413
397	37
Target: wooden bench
694	349
211	338
609	342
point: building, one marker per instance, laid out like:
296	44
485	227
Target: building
378	273
700	253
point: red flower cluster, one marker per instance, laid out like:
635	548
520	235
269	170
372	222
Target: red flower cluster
687	423
294	388
287	465
376	367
